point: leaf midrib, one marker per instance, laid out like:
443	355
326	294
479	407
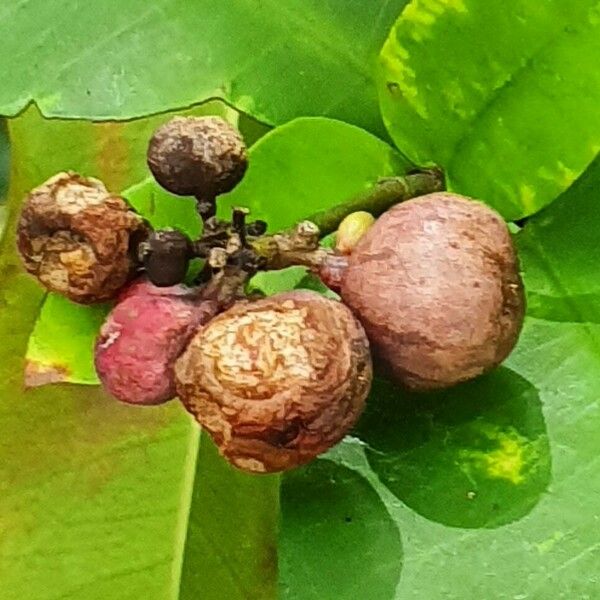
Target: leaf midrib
183	515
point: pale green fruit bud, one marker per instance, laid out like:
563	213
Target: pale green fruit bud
351	229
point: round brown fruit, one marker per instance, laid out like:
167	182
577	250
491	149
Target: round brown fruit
435	282
197	156
277	381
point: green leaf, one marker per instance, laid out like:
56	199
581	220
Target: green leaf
275	60
75	466
2	218
269	283
474	456
275	282
4	162
308	165
561	257
231	543
61	345
338	542
505	100
313	283
501	472
163	209
95	496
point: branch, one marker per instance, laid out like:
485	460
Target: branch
300	245
382	196
235	250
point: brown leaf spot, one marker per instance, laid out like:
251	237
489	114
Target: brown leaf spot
38	374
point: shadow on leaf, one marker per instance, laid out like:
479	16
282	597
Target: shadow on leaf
337	541
473	456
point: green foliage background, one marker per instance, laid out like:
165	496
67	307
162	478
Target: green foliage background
487	490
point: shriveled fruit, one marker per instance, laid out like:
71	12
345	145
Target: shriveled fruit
435	282
197	156
143	336
277	381
78	239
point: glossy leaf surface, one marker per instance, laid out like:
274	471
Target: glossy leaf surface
504	99
275	60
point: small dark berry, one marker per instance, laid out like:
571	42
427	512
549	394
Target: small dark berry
165	256
197	156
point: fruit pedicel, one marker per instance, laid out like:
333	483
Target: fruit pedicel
429	284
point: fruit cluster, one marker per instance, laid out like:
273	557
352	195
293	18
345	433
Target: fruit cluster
431	289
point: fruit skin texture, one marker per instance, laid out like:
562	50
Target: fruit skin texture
277	381
143	336
76	238
197	156
436	284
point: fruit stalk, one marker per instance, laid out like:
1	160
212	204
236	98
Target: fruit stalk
383	195
300	245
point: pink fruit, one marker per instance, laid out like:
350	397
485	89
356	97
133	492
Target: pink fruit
143	336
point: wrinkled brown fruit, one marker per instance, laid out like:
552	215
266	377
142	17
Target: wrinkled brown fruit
197	156
436	284
77	239
277	381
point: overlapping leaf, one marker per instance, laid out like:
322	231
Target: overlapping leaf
308	165
338	542
505	99
79	510
276	60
